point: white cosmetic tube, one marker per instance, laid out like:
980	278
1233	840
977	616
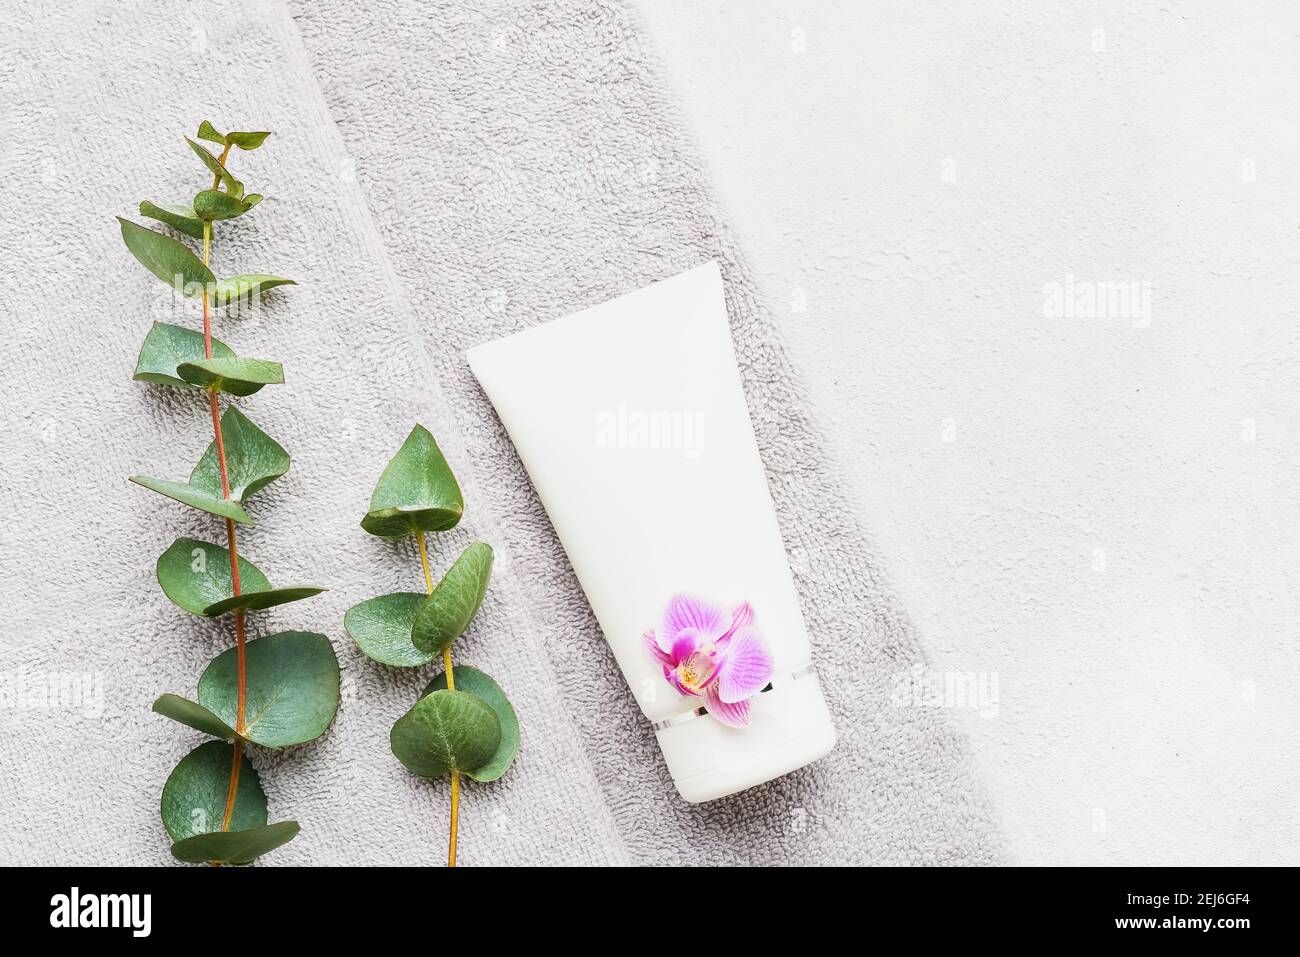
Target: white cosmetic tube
631	420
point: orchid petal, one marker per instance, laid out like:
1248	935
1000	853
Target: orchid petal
747	667
652	646
686	611
741	616
734	714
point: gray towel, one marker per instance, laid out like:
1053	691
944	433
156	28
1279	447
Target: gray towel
442	174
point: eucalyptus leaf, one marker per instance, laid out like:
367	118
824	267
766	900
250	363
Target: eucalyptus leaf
481	685
446	731
233	186
416	492
448	611
168	259
193	715
180	218
209	132
292	688
167	346
235	375
243	139
245	286
257	600
213	204
201	499
210	160
194	797
247	140
253	459
235	847
195	574
381	627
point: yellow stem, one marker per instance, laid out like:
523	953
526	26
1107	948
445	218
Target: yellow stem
455	815
451	686
424	562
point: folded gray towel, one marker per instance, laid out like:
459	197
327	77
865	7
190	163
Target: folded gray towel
441	174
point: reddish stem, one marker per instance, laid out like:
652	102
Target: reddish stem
232	542
234	786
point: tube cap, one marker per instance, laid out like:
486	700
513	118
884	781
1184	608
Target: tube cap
789	727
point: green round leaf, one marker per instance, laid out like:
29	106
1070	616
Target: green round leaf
247	140
245	286
194	797
193	715
235	847
233	186
213	204
446	731
201	499
235	375
244	140
168	259
179	217
480	685
447	612
195	574
251	600
292	687
416	492
209	132
253	459
167	346
381	627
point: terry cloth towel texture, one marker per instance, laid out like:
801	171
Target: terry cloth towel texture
441	174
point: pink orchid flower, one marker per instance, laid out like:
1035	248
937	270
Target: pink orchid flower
709	653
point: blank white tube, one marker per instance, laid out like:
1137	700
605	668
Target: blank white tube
631	421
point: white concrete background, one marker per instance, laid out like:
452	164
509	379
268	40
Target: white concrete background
1103	512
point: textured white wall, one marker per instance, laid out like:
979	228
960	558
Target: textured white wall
1101	511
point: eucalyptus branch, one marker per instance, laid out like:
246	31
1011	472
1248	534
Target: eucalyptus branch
232	544
463	723
290	678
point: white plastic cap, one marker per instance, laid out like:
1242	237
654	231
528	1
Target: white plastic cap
789	727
